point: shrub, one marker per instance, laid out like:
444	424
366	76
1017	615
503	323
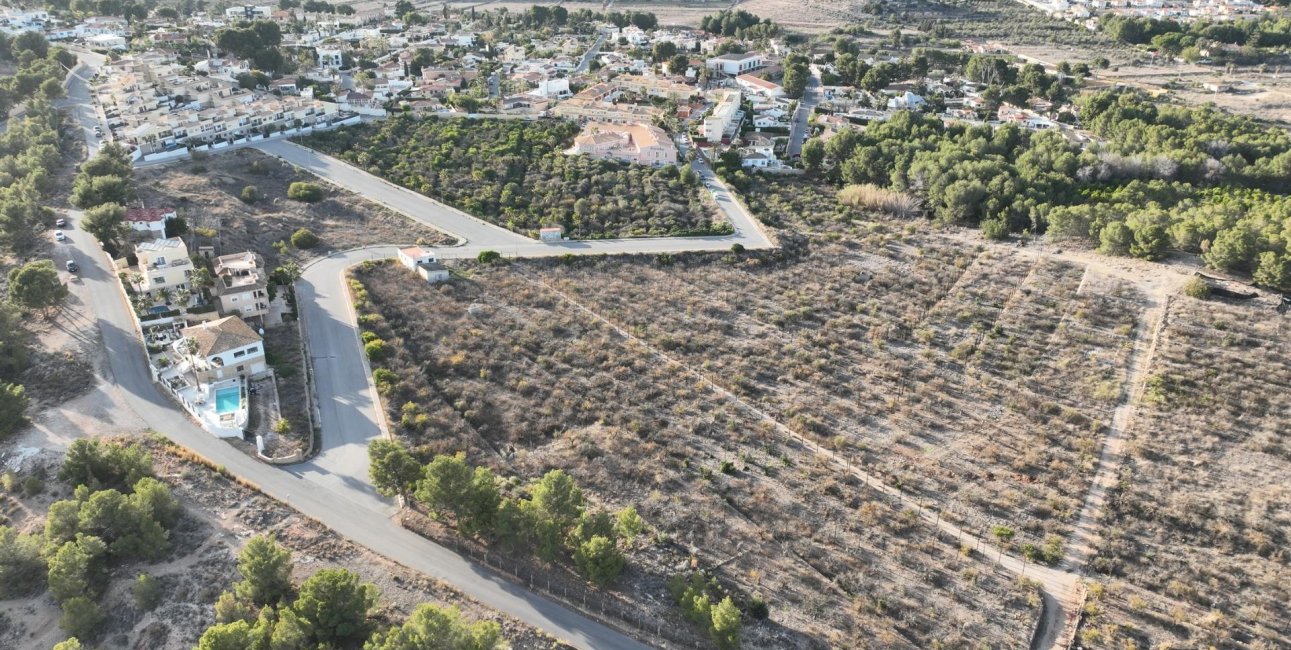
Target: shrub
81	617
146	592
304	238
488	257
1196	288
305	192
250	194
376	349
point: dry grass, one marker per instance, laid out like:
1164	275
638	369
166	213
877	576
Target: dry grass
879	199
1198	531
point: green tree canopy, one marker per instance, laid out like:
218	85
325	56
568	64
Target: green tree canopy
441	628
265	567
335	605
36	285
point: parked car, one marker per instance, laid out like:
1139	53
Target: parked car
59	236
72	267
61	223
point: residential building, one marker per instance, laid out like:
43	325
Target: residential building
241	285
724	118
248	12
163	265
226	348
643	144
759	86
152	220
736	64
330	58
906	101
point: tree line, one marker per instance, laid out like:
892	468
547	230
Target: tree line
1252	40
550	516
31	150
739	24
1190	179
514	173
333	608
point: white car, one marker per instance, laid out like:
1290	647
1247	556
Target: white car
59	236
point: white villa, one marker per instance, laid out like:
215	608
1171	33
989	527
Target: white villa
206	367
644	144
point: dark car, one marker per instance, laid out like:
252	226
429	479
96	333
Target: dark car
72	267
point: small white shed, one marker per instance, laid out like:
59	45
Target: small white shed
413	256
553	234
433	272
422	262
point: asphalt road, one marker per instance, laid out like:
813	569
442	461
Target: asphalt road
332	489
353	511
591	53
798	130
480	235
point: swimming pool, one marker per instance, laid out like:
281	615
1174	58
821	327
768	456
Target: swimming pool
227	400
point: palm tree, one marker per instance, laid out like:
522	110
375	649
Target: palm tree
136	280
165	295
188	347
182	296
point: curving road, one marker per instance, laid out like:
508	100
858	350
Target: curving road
334	488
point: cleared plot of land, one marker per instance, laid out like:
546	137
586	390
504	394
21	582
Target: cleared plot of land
1195	536
528	382
207	193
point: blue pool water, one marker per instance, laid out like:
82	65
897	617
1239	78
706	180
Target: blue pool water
227	400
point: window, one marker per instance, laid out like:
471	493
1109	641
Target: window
239	353
240	368
159	280
253	350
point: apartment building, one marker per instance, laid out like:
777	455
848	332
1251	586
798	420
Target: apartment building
152	104
736	64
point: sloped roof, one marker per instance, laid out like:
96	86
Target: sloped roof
218	336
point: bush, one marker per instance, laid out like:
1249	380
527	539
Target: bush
305	192
376	349
1196	288
146	592
250	194
81	618
488	257
304	238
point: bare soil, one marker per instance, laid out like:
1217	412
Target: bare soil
206	193
976	380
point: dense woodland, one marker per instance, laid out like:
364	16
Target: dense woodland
1164	178
513	173
1241	41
